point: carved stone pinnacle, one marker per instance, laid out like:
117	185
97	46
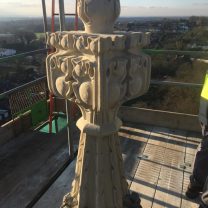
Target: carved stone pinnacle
99	72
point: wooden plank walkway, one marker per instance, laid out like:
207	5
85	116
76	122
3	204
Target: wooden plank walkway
28	164
157	163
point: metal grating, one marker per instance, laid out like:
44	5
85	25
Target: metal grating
24	99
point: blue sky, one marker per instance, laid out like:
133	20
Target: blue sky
129	7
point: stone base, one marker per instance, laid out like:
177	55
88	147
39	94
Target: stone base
132	200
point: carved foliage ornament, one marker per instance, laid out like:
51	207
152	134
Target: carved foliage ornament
80	61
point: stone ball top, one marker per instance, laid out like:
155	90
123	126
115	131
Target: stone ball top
98	16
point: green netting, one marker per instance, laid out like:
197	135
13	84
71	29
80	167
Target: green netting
23	100
61	123
39	112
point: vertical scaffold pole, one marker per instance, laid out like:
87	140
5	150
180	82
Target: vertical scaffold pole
45	23
76	18
53	16
51	94
68	117
69	132
62	15
51	97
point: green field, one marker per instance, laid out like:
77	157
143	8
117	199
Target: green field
40	35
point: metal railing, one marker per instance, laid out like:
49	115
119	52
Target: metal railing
19	56
18	100
29	84
176	84
195	54
22	55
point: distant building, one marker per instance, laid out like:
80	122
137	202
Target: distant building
196	46
7	52
183	27
4	115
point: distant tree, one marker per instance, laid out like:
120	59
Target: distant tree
29	36
36	44
25	36
179	44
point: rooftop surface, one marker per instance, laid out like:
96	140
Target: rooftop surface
157	164
29	163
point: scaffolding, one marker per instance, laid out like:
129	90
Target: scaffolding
70	109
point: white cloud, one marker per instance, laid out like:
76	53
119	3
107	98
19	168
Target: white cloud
20	8
200	4
30	8
33	8
163	11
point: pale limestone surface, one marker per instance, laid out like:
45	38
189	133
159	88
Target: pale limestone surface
98	72
98	16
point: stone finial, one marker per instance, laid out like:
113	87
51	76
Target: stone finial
98	16
99	72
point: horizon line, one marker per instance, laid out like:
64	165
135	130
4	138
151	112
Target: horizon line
9	17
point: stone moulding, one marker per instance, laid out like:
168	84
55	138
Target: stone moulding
98	72
79	55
